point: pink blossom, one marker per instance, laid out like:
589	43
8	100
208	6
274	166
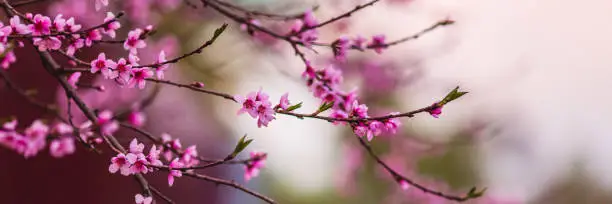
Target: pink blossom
124	70
47	43
338	114
85	132
139	77
376	127
303	31
18	27
174	173
153	157
73	79
136	147
340	47
176	144
332	76
133	41
59	23
359	110
360	130
309	19
62	147
71	26
318	89
265	114
190	156
111	27
74	45
8	59
378	43
35	138
284	102
436	111
37	130
252	167
136	118
92	36
159	70
392	124
122	162
10	125
359	42
5	31
404	185
62	129
167	152
100	3
309	72
41	25
140	165
106	123
104	66
249	104
133	59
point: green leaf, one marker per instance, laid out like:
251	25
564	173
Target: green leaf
474	194
219	30
325	106
242	144
454	94
294	107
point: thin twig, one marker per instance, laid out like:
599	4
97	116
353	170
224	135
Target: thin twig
398	176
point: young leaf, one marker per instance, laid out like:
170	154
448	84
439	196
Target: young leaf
294	107
473	194
325	106
454	94
242	144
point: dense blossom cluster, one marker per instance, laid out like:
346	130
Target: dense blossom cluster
67	33
136	162
34	138
252	167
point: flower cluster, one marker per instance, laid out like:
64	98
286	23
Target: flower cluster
324	83
341	45
33	139
129	72
135	161
256	162
258	105
303	29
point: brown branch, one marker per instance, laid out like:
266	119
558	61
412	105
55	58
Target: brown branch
232	184
24	94
216	35
161	195
344	15
397	176
193	88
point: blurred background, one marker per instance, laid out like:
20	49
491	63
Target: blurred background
533	128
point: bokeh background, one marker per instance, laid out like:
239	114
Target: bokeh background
533	129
